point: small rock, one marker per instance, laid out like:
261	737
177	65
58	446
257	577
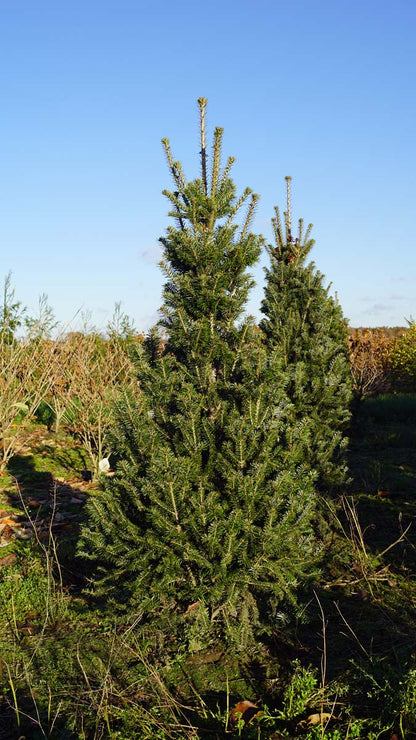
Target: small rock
76	500
24	534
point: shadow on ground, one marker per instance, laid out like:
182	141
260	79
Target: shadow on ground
47	508
363	622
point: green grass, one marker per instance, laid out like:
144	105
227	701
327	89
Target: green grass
383	450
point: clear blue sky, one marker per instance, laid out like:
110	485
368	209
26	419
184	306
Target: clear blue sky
321	90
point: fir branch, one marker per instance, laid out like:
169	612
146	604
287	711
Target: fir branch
288	213
216	161
234	210
250	213
202	102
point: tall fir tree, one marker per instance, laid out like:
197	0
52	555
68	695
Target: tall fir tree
305	326
203	528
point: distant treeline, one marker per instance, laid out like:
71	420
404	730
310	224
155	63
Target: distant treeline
390	332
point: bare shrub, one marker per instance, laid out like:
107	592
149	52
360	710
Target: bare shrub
87	374
369	352
24	381
24	368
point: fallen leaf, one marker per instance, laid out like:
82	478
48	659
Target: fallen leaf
318	718
7	533
191	608
244	710
8	560
8	522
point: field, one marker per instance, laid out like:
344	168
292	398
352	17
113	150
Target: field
343	668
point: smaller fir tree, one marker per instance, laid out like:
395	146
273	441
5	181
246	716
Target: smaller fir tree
305	327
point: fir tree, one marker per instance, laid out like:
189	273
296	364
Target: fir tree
305	326
204	530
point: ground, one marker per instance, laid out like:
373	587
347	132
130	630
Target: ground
350	656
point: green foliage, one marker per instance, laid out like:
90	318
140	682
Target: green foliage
121	327
11	312
44	323
397	408
87	681
45	415
304	325
206	529
402	358
407	698
300	691
23	590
